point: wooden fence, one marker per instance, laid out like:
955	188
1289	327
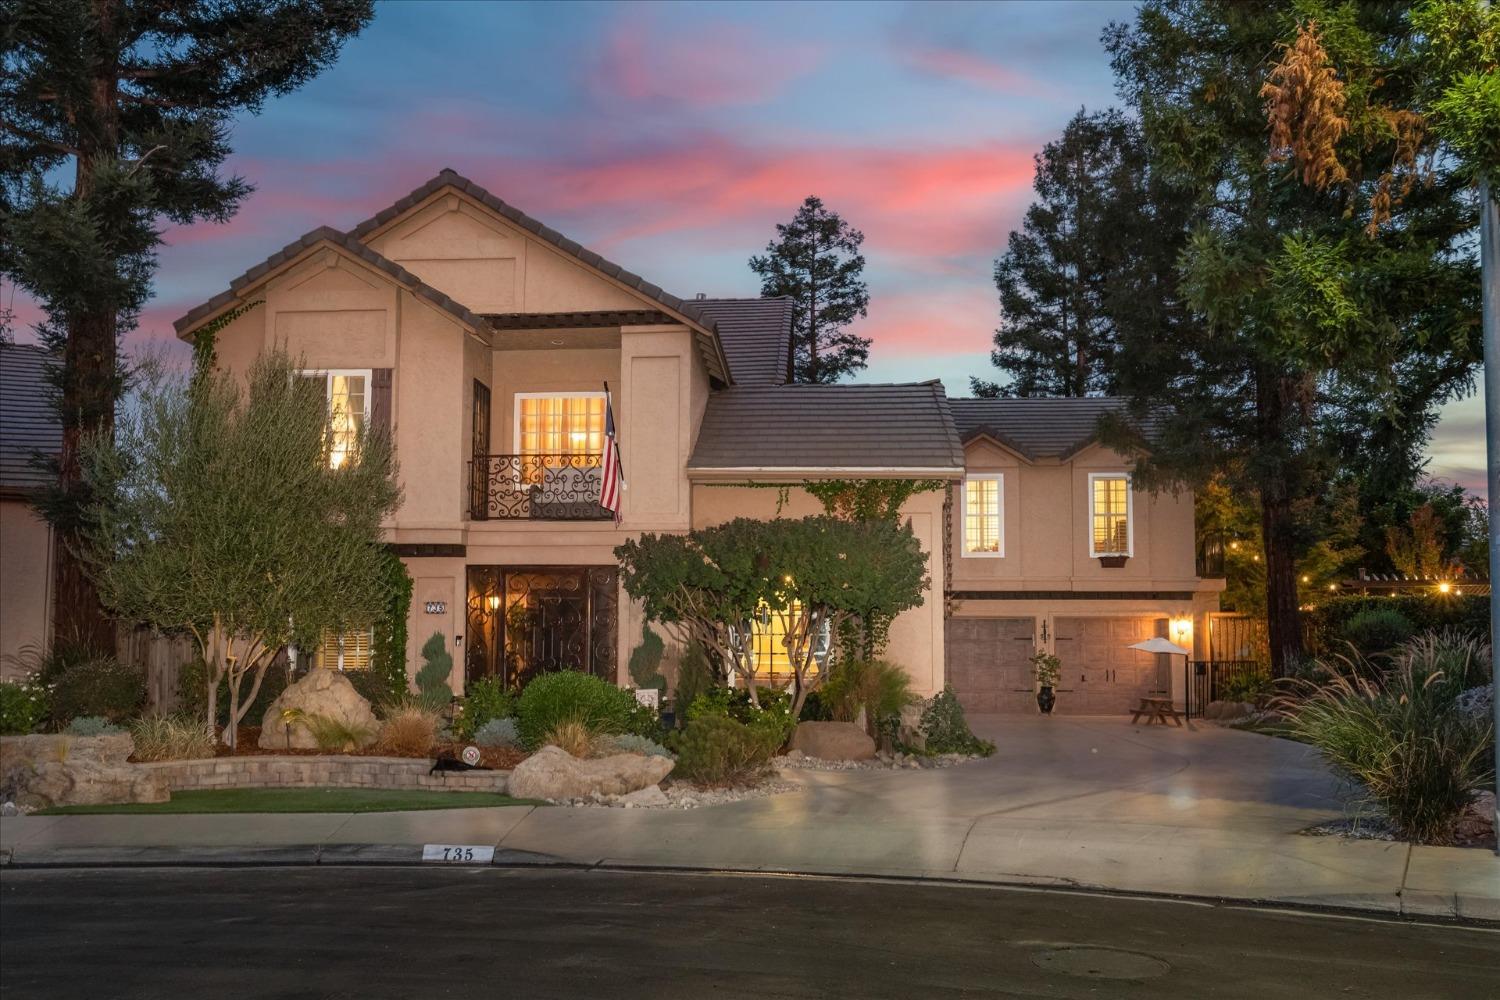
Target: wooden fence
162	658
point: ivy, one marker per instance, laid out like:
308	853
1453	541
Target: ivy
390	629
205	340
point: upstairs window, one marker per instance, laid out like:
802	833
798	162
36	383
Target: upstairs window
1109	521
347	393
560	424
984	523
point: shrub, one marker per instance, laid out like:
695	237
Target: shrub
104	687
695	675
409	730
569	695
23	706
485	699
171	737
631	743
717	750
498	733
571	736
1325	624
645	661
387	674
1250	685
882	689
1404	744
773	718
433	690
947	731
335	735
92	725
1377	630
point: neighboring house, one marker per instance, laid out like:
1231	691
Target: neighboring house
483	339
28	428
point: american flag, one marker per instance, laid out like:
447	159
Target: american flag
612	479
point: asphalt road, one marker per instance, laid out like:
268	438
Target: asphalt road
402	932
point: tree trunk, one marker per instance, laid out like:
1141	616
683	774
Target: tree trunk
1275	405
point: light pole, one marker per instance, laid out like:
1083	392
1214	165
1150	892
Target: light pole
1489	263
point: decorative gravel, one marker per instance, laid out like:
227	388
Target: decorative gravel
681	795
797	761
1354	828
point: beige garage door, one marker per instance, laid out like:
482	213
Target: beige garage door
1100	676
988	663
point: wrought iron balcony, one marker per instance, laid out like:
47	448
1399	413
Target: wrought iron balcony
1211	552
535	488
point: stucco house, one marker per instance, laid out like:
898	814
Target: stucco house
482	339
29	427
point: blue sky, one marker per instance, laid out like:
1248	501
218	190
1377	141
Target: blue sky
672	137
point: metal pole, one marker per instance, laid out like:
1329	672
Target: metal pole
1489	262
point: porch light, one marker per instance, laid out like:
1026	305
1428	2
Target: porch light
1182	629
492	602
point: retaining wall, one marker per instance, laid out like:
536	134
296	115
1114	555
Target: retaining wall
306	771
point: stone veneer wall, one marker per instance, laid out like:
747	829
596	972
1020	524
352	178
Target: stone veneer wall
293	771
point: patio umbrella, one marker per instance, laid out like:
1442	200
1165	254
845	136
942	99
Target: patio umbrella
1157	644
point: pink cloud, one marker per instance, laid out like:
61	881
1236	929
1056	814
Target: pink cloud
940	320
957	64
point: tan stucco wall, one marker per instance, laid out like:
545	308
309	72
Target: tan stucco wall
25	583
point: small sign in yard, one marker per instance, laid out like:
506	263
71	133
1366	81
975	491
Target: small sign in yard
462	854
650	697
472	756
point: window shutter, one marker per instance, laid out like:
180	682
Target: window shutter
380	400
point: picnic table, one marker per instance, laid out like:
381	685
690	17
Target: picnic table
1156	710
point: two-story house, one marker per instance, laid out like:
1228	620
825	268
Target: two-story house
483	341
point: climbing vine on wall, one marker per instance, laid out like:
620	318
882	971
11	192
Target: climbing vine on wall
390	629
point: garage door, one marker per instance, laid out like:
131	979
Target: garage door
1100	676
988	663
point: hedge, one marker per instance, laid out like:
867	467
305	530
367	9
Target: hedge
1325	624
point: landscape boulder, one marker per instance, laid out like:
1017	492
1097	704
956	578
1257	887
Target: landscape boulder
322	692
833	741
41	771
553	773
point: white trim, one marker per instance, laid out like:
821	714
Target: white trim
1129	513
515	423
998	478
924	472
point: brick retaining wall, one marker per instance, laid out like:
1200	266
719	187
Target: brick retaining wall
308	771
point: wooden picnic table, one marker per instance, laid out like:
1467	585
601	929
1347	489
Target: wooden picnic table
1156	710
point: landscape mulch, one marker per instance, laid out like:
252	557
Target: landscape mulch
248	737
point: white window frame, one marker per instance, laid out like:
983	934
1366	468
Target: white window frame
1129	514
963	538
327	375
515	421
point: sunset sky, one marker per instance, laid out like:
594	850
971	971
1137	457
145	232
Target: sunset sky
671	139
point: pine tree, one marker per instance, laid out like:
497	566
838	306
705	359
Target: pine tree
131	101
815	259
1094	253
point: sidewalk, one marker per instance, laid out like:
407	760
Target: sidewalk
1077	803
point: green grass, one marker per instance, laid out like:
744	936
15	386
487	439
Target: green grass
297	800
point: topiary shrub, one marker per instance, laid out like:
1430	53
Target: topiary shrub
947	731
433	690
1377	630
23	707
695	675
717	750
645	661
92	725
103	687
569	695
498	733
484	700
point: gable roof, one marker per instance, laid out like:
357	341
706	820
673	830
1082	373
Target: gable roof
712	350
1036	426
28	422
324	234
756	334
829	429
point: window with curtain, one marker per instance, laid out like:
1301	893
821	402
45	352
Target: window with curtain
983	515
560	425
348	397
1110	515
346	650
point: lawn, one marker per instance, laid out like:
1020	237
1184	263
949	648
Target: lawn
297	800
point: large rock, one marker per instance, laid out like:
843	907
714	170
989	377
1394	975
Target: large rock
327	693
909	731
553	773
41	771
833	741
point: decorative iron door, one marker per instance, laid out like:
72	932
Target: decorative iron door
529	620
480	439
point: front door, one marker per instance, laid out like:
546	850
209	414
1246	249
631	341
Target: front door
530	620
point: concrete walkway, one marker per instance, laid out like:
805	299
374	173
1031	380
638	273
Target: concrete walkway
1090	803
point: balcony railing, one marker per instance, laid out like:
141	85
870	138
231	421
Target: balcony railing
535	488
1210	553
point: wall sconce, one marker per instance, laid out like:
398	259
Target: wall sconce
1182	630
493	603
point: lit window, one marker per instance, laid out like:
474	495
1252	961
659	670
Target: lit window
346	650
560	425
768	643
1110	514
348	396
984	530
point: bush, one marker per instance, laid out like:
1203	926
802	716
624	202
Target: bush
645	661
1249	685
1403	742
104	687
171	737
92	725
498	733
695	675
1377	630
485	699
335	735
1324	624
571	696
572	736
717	750
947	731
433	690
410	729
631	743
23	706
773	719
882	689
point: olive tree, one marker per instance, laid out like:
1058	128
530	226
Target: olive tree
217	513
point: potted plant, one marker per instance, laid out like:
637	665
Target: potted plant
1048	668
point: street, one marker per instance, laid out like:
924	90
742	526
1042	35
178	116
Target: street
331	932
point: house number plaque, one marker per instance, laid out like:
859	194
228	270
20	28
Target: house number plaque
437	607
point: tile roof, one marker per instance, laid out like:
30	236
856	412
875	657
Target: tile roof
756	334
829	427
1038	427
712	351
401	275
28	422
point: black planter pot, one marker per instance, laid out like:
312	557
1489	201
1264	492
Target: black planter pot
1045	699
